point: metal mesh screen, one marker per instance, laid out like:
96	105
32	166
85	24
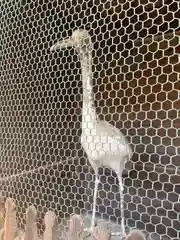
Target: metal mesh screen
136	88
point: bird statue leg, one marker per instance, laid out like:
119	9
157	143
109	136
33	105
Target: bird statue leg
95	199
121	189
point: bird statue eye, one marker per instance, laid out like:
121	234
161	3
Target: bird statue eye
86	41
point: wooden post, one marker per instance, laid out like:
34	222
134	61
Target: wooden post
31	227
10	225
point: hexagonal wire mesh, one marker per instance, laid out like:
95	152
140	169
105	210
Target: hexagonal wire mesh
136	88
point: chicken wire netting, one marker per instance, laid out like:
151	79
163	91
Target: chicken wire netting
136	88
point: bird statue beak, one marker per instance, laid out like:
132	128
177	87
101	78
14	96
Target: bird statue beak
65	43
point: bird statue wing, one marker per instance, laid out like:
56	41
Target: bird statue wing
116	139
101	140
112	131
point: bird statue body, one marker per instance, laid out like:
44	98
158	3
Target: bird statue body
103	143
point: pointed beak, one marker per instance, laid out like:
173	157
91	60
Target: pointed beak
65	43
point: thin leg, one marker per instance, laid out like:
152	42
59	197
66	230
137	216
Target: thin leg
94	199
121	189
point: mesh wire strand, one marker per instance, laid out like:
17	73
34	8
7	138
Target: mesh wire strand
136	88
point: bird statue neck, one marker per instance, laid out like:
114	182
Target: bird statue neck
88	100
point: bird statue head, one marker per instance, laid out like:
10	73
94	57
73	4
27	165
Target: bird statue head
80	40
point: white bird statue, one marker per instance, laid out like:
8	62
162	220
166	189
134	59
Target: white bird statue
104	144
